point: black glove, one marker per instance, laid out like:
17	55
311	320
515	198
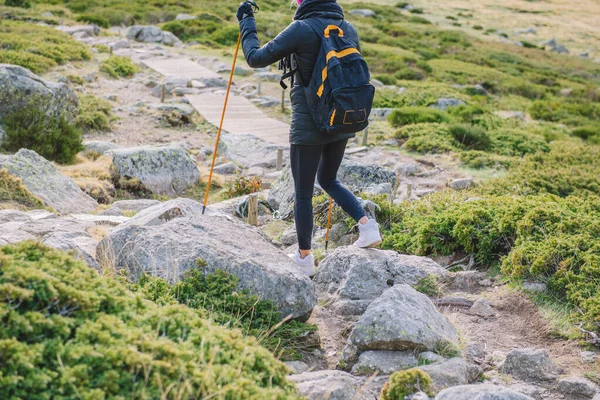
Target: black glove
244	11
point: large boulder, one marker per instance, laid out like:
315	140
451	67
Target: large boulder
80	31
480	392
355	176
151	34
170	238
135	205
166	170
329	385
531	365
354	277
19	87
453	372
43	180
401	319
576	387
384	362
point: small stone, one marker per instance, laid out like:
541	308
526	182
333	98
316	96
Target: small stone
453	372
256	171
482	308
268	76
531	365
445	103
461	184
226	169
289	236
535	287
297	367
430	357
475	353
363	13
576	386
185	17
113	211
406	169
589	357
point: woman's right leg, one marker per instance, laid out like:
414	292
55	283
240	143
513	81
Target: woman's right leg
305	162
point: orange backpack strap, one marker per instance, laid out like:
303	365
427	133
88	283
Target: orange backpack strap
333	28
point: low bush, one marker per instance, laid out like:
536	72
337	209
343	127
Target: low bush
94	113
119	67
482	159
56	139
416	115
586	132
38	48
426	138
243	185
470	137
67	332
404	383
102	48
94	19
19	3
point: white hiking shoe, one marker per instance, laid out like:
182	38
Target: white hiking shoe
368	235
306	264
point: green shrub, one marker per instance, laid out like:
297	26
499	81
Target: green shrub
586	132
215	295
37	47
32	128
18	3
77	80
405	383
15	194
416	115
386	79
470	136
478	27
94	19
119	67
94	113
227	36
242	185
517	142
426	138
102	48
67	332
482	159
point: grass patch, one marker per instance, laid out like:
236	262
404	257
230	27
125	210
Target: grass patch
119	67
16	195
94	113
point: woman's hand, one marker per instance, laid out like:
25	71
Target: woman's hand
244	10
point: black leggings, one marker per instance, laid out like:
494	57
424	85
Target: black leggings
322	161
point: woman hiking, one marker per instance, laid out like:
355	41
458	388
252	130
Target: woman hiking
312	153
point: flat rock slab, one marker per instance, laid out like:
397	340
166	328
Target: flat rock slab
250	150
182	67
47	183
453	372
242	118
531	365
329	385
170	238
480	392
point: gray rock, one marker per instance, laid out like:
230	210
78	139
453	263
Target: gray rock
47	183
480	90
289	236
80	242
338	231
589	357
596	397
2	133
249	151
531	365
297	367
168	239
529	390
363	13
81	31
171	83
577	387
113	211
256	171
110	220
151	34
554	46
538	287
381	113
475	353
461	184
185	17
241	70
120	44
329	385
360	176
406	169
445	103
99	147
384	361
167	170
429	357
135	205
418	396
281	194
480	392
377	83
482	308
354	275
400	319
453	372
226	168
20	86
511	115
213	82
379	189
266	101
268	76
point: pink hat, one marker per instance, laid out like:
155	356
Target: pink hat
299	2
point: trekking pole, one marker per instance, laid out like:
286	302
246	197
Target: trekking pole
212	166
328	223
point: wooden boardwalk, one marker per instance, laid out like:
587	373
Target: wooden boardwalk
183	67
242	116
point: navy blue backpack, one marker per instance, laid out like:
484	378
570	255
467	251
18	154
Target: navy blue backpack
340	93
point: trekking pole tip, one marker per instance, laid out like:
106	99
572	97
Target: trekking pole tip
203	209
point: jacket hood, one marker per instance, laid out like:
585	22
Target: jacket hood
319	9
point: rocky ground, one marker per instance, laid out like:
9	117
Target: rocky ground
474	335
